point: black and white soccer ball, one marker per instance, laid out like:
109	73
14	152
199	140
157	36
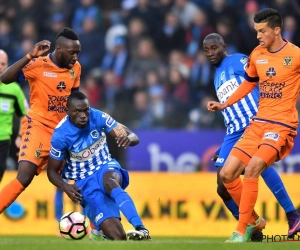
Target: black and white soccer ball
73	226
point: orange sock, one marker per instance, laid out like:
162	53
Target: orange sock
248	200
92	225
235	189
9	193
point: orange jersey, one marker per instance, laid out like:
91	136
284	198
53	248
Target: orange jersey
50	87
279	83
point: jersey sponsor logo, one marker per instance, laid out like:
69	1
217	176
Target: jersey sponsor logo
220	160
271	72
94	134
109	120
88	152
48	74
5	106
244	60
271	89
57	103
98	217
61	86
54	152
227	89
271	135
287	61
262	61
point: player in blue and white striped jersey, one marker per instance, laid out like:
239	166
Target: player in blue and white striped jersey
100	181
230	71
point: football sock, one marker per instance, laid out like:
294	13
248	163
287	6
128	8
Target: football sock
235	189
274	182
58	204
127	206
233	208
248	200
9	193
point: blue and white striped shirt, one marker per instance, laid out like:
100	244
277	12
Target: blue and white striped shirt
229	75
84	149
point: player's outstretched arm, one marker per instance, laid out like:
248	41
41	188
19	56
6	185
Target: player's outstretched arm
214	106
54	177
124	136
11	73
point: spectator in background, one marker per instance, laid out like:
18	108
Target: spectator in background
186	11
170	36
201	118
29	30
8	40
62	7
201	77
91	37
290	31
196	31
146	59
116	60
87	9
55	23
147	13
137	30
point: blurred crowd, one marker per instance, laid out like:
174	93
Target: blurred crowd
142	60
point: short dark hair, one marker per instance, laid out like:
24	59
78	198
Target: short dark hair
76	95
67	33
270	16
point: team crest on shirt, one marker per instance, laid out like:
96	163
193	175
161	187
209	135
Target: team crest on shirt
94	134
37	154
72	73
287	61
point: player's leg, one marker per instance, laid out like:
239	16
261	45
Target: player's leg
4	149
114	182
223	152
10	192
225	196
275	184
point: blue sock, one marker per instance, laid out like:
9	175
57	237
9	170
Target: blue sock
127	206
233	208
274	182
58	204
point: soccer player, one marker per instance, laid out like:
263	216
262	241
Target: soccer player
274	65
51	78
99	179
12	101
229	75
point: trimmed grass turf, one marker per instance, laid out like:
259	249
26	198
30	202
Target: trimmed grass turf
158	243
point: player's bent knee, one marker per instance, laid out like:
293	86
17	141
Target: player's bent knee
227	176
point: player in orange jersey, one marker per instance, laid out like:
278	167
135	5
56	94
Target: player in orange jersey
275	66
51	78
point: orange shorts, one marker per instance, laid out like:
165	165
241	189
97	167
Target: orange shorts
35	143
278	142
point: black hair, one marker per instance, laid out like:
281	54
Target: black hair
269	16
76	95
216	36
67	33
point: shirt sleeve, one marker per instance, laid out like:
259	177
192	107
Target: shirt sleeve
58	146
30	71
107	122
251	73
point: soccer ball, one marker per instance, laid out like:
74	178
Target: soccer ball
73	226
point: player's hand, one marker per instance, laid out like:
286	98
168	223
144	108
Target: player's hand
214	106
40	48
215	157
123	141
73	192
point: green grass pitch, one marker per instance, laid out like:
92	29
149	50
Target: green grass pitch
175	243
